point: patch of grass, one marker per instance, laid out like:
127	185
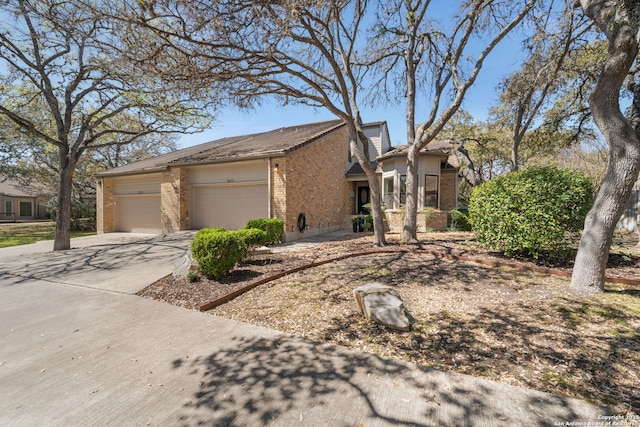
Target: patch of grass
24	234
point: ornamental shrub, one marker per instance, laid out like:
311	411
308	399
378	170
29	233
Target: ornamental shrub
460	220
251	237
273	227
217	251
528	212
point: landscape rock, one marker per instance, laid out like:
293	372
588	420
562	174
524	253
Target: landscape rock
383	305
182	267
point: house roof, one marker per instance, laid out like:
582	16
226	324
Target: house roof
13	188
442	148
356	169
277	142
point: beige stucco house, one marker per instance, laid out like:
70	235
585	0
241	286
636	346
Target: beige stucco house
19	202
303	175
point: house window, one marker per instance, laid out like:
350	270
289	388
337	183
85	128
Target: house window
431	191
403	190
388	192
26	209
8	207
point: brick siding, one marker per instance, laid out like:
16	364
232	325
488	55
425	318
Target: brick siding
312	181
104	206
174	200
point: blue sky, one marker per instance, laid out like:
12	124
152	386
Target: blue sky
232	122
505	58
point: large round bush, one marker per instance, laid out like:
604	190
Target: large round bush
529	212
217	251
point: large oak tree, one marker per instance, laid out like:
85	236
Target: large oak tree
63	87
619	21
422	52
303	52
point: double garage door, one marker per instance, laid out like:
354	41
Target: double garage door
138	204
228	206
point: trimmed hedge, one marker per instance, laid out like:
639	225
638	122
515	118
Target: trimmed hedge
217	251
273	227
528	212
251	237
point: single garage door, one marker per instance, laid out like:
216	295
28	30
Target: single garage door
228	206
138	213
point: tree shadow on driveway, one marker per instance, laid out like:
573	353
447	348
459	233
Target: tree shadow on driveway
120	267
286	380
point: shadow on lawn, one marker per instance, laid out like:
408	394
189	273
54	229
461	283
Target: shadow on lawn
286	381
585	349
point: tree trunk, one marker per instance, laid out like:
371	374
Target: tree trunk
515	156
62	240
374	188
409	227
624	144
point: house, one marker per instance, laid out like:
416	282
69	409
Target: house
437	184
304	175
21	202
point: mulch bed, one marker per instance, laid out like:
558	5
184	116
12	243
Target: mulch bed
459	245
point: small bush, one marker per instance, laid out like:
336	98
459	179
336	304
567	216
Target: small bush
368	223
192	276
272	226
251	237
528	212
460	220
217	251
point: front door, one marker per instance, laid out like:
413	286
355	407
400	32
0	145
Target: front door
364	196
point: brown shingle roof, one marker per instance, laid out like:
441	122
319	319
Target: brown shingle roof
259	145
13	188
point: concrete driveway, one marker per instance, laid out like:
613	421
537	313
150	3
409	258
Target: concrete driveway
77	349
118	262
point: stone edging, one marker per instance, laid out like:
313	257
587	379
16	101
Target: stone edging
469	259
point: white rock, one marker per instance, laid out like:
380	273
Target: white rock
182	267
383	305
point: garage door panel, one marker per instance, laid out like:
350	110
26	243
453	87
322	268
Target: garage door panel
138	214
229	207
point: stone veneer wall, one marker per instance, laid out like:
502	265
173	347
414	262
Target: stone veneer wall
174	200
312	181
104	205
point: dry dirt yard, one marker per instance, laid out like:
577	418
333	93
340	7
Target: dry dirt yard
501	323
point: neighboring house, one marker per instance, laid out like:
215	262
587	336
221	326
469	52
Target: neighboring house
303	175
20	202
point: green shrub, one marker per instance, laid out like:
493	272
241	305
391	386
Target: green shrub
460	220
217	251
272	226
251	237
368	223
528	212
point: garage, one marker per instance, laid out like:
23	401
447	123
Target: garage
138	214
137	204
228	206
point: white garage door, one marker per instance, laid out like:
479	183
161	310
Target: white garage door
138	214
228	206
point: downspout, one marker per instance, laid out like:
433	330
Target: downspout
269	171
